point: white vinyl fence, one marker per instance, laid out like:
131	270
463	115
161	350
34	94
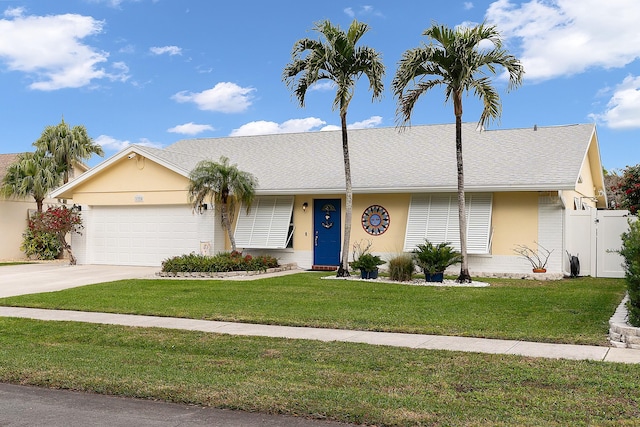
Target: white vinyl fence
594	236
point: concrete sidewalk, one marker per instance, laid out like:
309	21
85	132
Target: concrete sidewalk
431	342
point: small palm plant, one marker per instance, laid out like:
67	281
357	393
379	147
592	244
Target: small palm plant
364	260
434	259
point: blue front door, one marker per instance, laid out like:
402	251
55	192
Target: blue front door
326	232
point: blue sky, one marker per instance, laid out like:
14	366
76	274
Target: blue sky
156	71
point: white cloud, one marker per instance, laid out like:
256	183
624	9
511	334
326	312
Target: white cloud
308	124
50	49
224	97
371	122
323	85
14	12
190	128
262	127
565	37
171	50
364	10
467	5
112	3
623	109
109	143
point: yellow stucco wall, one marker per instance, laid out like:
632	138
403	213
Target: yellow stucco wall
391	241
13	222
131	182
588	191
514	221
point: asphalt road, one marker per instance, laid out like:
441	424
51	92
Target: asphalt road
35	406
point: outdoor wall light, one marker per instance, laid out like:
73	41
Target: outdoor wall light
305	205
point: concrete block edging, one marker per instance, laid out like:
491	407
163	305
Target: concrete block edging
218	275
621	333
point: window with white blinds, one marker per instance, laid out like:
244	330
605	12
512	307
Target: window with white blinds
435	217
266	226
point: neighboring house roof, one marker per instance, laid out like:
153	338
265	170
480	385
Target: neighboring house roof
415	159
5	161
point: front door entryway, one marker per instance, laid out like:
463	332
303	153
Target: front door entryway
326	232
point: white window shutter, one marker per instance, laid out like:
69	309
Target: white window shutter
435	218
266	226
478	222
417	221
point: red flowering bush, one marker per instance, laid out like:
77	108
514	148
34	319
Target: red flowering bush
629	189
52	226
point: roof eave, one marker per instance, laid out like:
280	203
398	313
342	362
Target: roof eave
395	190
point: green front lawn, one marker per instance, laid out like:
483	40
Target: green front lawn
348	382
567	311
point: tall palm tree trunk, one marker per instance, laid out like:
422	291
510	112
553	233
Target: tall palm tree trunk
343	270
462	217
226	223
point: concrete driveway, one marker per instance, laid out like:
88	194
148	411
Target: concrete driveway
47	277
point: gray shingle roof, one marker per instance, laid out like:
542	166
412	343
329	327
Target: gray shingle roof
5	161
419	158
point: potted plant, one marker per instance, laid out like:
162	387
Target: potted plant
434	259
538	259
365	261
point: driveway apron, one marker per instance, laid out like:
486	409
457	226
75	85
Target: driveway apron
48	277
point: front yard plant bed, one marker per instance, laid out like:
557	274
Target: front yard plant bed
221	262
225	274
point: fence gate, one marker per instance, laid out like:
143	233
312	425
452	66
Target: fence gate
594	236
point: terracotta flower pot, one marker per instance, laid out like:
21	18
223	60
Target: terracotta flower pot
539	270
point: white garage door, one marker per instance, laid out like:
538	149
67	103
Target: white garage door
144	235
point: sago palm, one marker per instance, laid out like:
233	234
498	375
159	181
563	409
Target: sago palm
336	58
224	185
458	60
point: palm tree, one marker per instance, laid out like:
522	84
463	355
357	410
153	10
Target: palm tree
32	174
339	60
225	185
458	60
67	145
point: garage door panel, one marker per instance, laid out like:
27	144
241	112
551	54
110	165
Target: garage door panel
141	235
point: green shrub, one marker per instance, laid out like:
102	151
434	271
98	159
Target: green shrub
40	244
221	262
401	268
631	253
435	258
